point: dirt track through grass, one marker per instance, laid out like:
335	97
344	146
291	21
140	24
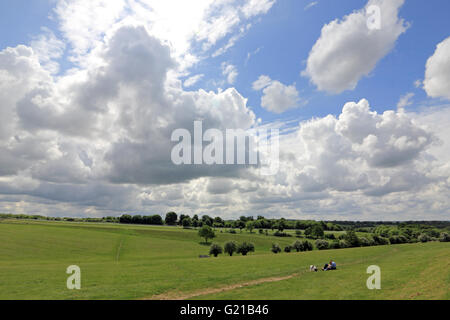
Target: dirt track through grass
185	296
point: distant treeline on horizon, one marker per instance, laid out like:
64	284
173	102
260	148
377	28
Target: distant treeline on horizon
172	219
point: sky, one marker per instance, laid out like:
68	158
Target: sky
91	92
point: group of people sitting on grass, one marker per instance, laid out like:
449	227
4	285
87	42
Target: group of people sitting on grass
326	267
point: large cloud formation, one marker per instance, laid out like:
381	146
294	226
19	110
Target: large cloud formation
349	49
96	140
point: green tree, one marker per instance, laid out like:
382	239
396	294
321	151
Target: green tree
181	218
245	247
250	225
322	244
352	239
156	220
315	231
335	245
231	247
186	223
239	224
206	232
126	218
445	237
424	238
281	225
218	221
171	218
378	240
215	250
137	219
298	246
307	246
364	242
207	220
276	248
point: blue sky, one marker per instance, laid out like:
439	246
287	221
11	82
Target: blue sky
284	38
91	91
288	32
21	20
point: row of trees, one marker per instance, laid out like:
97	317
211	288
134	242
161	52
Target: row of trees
314	228
350	240
138	219
232	247
298	246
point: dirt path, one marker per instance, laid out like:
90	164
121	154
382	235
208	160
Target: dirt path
118	251
175	295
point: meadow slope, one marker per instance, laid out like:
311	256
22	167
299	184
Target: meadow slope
142	262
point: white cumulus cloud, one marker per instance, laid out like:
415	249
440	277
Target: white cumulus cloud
437	75
277	97
230	72
348	49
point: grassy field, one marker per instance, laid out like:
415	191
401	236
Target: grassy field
142	262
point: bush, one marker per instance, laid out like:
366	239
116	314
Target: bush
380	240
245	248
276	248
424	238
330	236
445	237
298	246
287	249
322	244
307	246
364	242
315	231
206	232
335	245
352	239
393	239
398	239
281	234
232	231
402	239
298	234
231	247
215	250
433	233
343	244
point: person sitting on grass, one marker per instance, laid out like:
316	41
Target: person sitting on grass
333	265
329	266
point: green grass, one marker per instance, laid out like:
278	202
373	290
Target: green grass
135	262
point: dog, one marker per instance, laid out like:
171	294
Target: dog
312	268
